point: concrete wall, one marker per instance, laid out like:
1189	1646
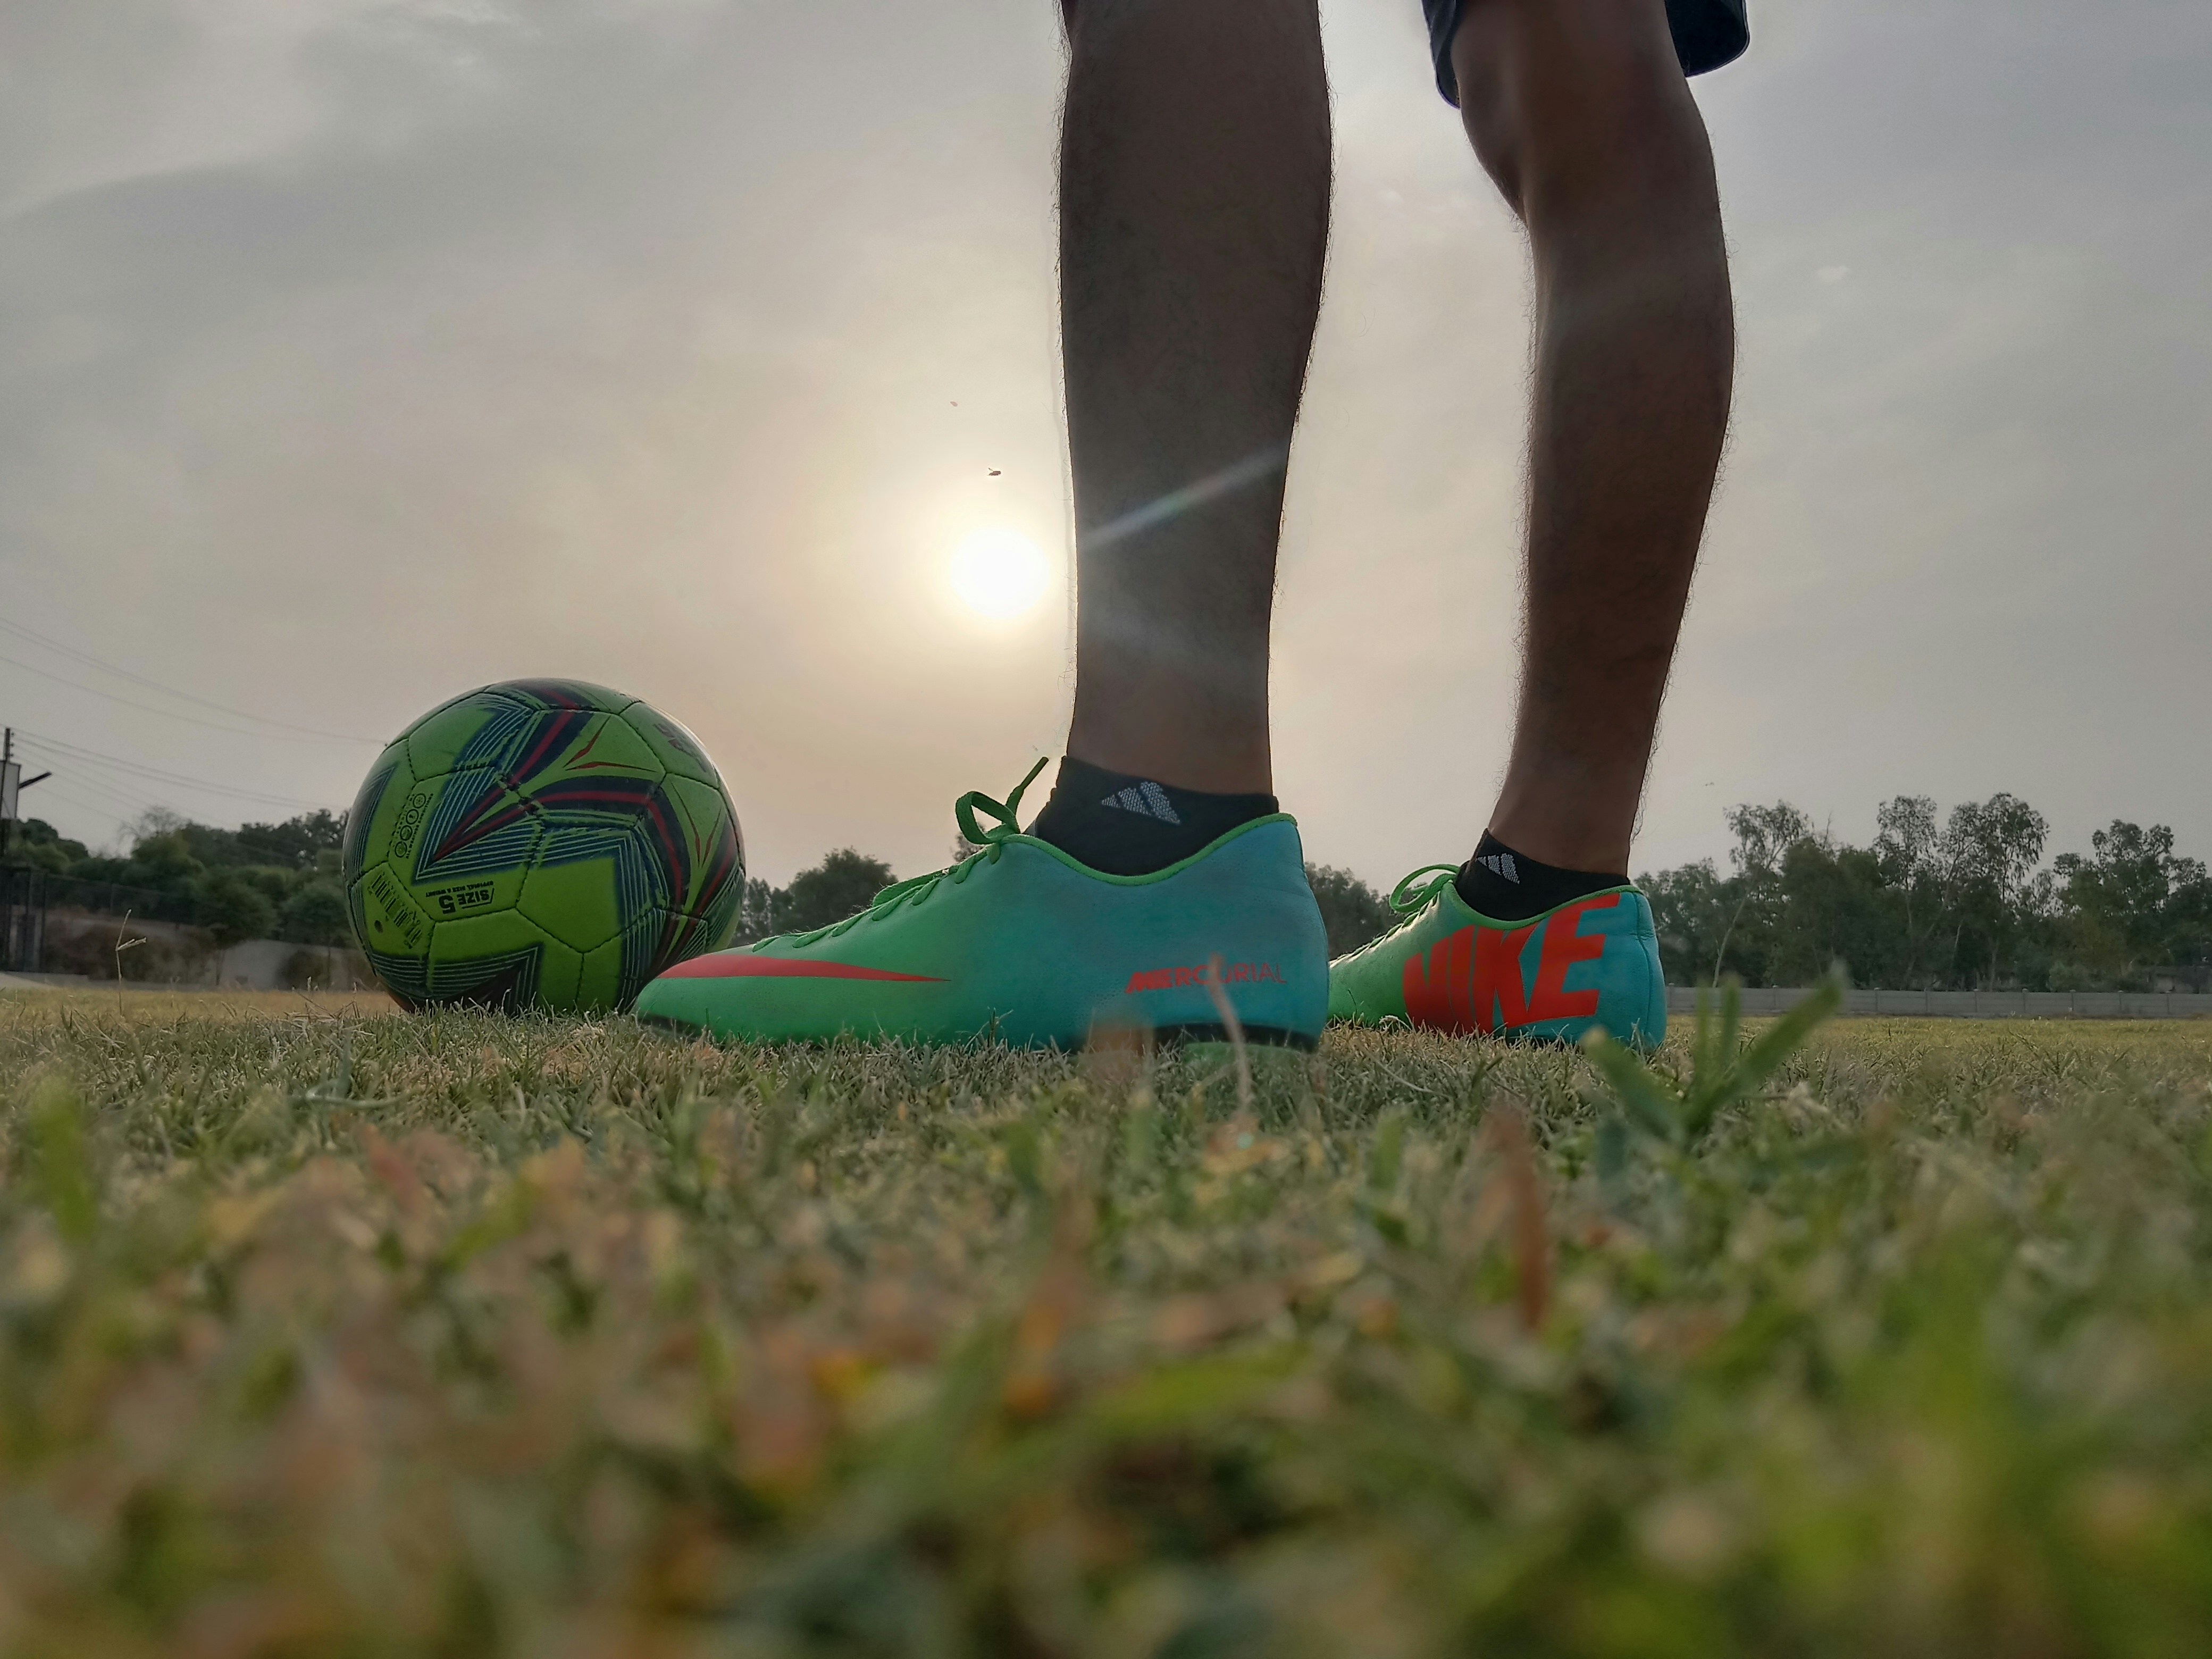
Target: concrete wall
82	942
78	942
1973	1004
268	964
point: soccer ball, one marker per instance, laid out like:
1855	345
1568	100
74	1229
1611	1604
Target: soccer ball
541	844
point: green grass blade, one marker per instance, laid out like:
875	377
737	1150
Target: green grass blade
1764	1057
1705	1054
1611	1158
61	1161
1648	1102
1730	1031
1389	1151
1787	1035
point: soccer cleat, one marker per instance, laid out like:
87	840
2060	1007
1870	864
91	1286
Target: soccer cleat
1593	962
1020	943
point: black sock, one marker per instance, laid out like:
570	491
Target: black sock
1507	886
1129	826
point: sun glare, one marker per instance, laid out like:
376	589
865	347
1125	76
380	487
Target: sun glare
1000	574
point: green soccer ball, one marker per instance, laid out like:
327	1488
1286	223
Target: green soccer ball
541	844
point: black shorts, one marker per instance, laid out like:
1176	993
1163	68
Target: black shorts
1707	33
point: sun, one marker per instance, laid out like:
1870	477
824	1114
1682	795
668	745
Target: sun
1000	574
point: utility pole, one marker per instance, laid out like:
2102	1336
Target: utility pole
12	785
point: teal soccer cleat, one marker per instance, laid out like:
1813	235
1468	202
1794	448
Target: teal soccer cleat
1021	943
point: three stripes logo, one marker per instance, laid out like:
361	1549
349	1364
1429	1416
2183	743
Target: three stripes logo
1146	800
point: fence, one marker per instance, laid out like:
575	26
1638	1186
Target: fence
111	898
1972	1004
22	919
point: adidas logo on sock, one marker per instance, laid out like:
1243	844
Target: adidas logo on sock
1501	863
1147	800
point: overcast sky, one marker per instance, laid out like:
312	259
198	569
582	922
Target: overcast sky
355	352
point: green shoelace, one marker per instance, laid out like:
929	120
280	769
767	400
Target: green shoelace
990	841
1410	897
1408	900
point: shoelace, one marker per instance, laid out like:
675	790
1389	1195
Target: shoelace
1408	900
1410	897
990	841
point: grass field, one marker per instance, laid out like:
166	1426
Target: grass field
329	1331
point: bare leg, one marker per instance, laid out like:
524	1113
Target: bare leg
1579	111
1194	190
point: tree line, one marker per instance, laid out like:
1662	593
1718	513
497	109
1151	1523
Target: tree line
258	881
1961	900
1956	902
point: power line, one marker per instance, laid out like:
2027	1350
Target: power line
106	814
58	790
113	824
56	746
170	714
87	659
118	799
155	774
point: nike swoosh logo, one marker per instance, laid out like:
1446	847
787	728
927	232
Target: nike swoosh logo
743	965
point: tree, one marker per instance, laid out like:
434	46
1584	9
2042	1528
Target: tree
2131	903
757	916
294	843
1835	907
155	822
2188	913
38	844
1990	850
1691	908
1962	904
232	906
316	913
842	885
1908	846
172	857
163	862
1353	913
217	848
1764	836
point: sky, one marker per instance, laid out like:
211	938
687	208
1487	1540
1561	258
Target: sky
353	353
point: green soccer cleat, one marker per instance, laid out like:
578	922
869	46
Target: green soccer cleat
1591	964
1022	944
